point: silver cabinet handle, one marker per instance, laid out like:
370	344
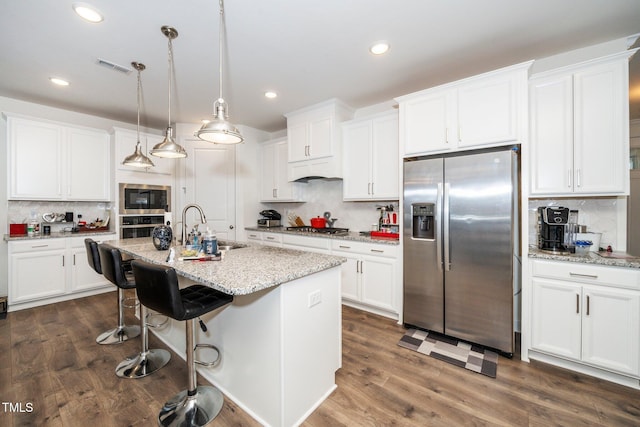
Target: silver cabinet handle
588	276
588	301
379	251
357	266
372	189
577	303
579	177
270	238
344	247
570	175
63	260
39	246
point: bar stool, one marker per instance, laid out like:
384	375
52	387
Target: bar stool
147	361
158	289
122	332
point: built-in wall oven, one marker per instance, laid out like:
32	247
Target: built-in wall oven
143	199
132	226
142	207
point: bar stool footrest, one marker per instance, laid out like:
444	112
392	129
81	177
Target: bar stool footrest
215	362
162	320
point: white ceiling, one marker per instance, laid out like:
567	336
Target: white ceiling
307	51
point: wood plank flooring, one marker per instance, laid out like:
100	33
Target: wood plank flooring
49	360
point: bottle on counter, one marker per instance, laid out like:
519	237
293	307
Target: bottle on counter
210	243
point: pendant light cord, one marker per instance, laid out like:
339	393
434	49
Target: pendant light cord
170	75
220	42
138	103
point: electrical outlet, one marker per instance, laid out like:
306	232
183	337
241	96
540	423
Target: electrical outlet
315	298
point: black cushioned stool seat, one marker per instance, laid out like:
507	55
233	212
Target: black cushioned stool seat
147	361
158	289
122	332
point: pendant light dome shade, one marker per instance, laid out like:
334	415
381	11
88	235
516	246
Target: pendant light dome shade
220	130
168	148
137	159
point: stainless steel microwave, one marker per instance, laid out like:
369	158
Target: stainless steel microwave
144	199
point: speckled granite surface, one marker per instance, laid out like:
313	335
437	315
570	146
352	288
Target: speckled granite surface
353	236
615	259
58	235
241	271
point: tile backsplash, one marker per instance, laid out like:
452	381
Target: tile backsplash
22	211
599	214
323	195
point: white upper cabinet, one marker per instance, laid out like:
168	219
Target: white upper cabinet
53	161
274	185
125	144
485	110
370	160
315	140
580	129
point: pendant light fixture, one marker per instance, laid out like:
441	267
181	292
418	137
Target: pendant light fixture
137	159
220	130
168	147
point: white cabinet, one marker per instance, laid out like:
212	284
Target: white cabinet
370	277
274	184
125	144
265	238
588	314
485	110
370	160
52	161
315	140
47	270
579	122
37	270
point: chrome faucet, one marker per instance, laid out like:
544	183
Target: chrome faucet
203	220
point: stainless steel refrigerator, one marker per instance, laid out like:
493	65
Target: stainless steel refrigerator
459	241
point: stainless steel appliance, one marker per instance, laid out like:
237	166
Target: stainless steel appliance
133	226
552	222
459	237
270	218
142	199
335	231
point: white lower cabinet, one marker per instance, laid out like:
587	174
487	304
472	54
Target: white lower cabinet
370	276
587	314
306	243
42	271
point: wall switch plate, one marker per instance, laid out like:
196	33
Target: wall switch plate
315	298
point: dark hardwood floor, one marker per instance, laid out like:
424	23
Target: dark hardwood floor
49	362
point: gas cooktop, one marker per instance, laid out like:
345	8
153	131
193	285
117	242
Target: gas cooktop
327	230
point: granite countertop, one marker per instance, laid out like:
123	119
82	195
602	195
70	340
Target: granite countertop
242	271
351	235
612	259
57	235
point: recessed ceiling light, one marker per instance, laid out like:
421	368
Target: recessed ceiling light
379	48
58	81
88	12
270	94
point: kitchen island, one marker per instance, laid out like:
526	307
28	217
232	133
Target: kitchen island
280	339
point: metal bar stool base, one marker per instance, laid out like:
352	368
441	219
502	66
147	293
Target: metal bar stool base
143	364
197	410
118	335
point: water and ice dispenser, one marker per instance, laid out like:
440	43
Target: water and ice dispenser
423	226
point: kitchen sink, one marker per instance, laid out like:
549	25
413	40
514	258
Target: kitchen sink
227	246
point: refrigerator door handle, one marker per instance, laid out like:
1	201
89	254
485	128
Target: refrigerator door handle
438	227
445	219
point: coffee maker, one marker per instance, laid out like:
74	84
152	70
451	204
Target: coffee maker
552	222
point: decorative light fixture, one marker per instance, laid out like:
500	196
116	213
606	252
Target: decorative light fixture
137	159
168	147
220	130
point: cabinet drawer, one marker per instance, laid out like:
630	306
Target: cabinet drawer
37	245
254	235
587	273
364	248
272	237
305	241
